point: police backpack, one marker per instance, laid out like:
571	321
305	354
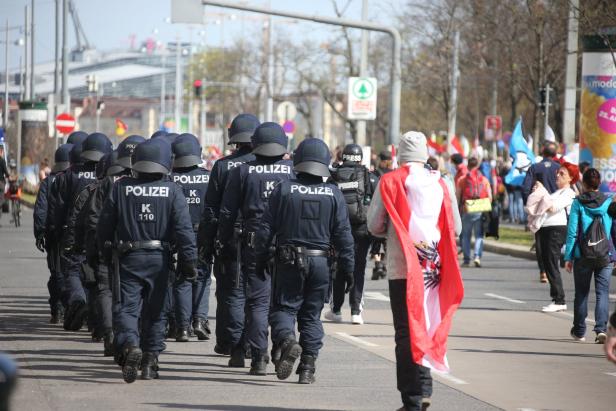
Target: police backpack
352	181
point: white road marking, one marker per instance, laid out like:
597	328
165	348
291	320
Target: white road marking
450	378
526	409
373	295
356	339
588	320
613	374
612	296
500	297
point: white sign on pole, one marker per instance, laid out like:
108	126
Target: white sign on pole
362	98
187	11
286	111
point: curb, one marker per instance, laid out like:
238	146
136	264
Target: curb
508	249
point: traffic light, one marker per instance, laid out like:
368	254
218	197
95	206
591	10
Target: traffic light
542	99
197	84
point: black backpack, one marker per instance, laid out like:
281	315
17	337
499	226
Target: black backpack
594	243
352	182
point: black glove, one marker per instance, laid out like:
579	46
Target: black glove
40	243
349	280
205	255
188	271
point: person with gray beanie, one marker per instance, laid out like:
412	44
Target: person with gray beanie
413	203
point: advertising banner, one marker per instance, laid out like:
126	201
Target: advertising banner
598	116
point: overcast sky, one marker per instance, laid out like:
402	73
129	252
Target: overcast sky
109	24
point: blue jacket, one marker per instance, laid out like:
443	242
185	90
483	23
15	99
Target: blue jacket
544	172
586	206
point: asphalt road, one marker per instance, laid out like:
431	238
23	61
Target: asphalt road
503	352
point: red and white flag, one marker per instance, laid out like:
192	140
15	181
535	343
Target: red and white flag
455	146
431	302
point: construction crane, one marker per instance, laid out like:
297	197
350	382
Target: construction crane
83	45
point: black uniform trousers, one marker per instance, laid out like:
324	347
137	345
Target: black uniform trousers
414	380
144	280
231	303
362	246
258	295
300	295
55	284
103	299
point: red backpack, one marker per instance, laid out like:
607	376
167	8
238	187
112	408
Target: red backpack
475	186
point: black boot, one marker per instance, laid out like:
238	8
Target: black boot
73	320
237	359
258	366
202	329
222	349
57	314
149	366
131	361
108	343
306	369
290	351
181	335
378	271
171	330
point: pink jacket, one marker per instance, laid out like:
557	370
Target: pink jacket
537	206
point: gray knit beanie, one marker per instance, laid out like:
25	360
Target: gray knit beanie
413	147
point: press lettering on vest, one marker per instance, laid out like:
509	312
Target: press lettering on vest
90	175
348	185
139	191
270	169
187	179
312	190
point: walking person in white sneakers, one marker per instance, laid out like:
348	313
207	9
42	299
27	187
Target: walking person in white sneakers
553	231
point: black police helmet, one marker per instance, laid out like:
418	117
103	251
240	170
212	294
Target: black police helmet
186	151
242	128
312	156
103	165
95	147
352	152
269	140
62	158
75	154
152	156
158	133
125	149
77	137
170	137
113	167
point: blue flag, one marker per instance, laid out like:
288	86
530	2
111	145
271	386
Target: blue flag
522	155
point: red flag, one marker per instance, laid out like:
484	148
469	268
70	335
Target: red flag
429	318
456	147
434	148
394	163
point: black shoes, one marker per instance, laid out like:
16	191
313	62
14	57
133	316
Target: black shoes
171	329
201	329
258	366
290	351
237	359
181	335
306	369
130	366
222	349
149	366
57	315
73	320
379	271
108	344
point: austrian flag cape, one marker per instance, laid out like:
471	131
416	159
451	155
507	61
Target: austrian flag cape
429	318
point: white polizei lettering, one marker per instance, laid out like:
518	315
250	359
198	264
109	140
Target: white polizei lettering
187	179
87	174
233	164
269	185
320	190
192	193
150	191
348	185
270	169
145	208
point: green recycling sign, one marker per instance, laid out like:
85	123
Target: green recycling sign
362	98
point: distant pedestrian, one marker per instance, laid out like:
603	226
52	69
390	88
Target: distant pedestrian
473	187
588	254
552	224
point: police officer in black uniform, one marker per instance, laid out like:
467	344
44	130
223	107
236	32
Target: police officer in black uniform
141	218
247	192
308	218
192	299
42	236
117	166
65	190
229	295
357	185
